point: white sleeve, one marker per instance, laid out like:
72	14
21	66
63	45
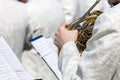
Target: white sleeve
69	60
100	59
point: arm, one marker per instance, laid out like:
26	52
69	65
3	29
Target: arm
99	60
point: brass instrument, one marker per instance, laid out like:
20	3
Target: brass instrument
85	30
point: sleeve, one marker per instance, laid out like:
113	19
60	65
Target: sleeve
99	60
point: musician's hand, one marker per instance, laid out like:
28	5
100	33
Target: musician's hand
64	35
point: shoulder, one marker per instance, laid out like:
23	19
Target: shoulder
110	16
113	13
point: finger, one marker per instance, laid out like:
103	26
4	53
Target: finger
62	28
56	33
76	30
56	42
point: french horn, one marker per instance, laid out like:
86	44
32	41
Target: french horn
85	26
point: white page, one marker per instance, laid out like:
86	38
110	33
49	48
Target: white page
53	46
48	52
6	73
12	61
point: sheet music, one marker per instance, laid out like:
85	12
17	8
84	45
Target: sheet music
6	72
12	61
48	52
50	42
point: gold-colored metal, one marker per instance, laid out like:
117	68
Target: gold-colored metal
87	23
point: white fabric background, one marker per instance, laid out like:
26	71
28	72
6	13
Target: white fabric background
13	24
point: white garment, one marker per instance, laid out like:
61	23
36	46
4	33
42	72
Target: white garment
13	24
101	58
34	64
105	5
86	4
46	16
71	9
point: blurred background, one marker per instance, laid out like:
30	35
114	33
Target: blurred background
21	20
